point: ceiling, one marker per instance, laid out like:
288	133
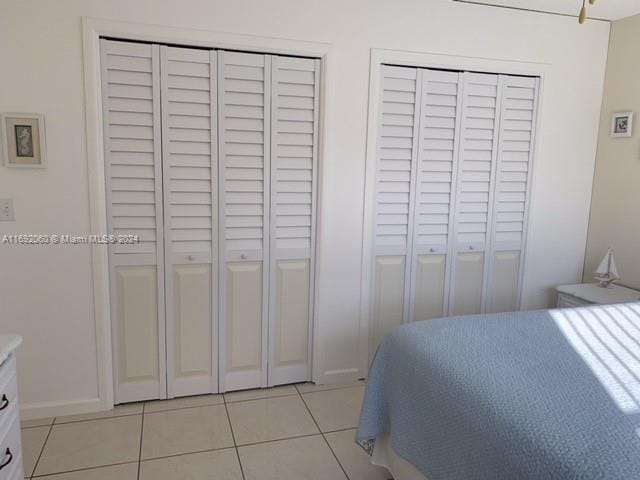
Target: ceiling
603	9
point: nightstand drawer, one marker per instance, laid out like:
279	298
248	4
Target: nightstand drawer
568	301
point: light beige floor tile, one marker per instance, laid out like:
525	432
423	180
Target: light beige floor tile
32	442
306	458
38	422
270	419
127	471
118	411
353	459
335	409
257	393
94	443
183	402
312	387
216	465
186	430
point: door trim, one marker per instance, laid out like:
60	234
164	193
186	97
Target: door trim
92	30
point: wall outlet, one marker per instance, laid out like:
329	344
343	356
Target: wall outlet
7	214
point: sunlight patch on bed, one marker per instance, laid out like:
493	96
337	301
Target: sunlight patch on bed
608	340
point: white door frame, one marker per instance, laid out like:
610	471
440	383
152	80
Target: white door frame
92	30
379	57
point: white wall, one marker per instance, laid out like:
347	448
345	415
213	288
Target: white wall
616	192
46	293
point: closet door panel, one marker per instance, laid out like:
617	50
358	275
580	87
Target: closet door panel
137	314
511	196
133	171
504	282
193	327
189	114
389	298
294	140
436	180
244	316
291	327
430	281
397	151
467	296
244	118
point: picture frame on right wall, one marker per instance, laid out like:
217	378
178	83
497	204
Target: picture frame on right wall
621	124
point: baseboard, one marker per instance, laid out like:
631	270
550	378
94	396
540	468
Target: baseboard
30	411
348	375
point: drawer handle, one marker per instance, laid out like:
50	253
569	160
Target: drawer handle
9	456
5	402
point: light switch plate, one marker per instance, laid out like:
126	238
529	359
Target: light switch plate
7	214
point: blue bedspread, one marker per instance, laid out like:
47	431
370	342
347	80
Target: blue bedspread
524	395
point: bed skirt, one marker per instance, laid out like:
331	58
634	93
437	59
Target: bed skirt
384	456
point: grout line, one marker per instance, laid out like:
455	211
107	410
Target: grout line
172	455
263	398
315	434
325	439
184	408
233	436
98	418
35	465
47	475
358	383
140	448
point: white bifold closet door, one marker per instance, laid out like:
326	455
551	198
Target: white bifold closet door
268	137
189	160
133	168
211	159
452	187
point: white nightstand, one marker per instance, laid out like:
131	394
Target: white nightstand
591	293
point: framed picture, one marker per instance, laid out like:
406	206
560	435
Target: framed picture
621	124
23	140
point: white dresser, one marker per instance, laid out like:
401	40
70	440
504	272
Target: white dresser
10	445
592	294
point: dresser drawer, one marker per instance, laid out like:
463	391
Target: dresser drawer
10	450
8	390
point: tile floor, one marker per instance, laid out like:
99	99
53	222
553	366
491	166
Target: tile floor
293	432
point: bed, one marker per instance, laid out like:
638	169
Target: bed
548	394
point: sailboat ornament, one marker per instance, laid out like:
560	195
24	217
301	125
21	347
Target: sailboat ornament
607	273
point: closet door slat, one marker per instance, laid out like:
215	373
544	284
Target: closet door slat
189	158
244	84
294	140
133	171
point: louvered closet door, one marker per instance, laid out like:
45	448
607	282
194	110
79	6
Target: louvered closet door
294	132
477	160
244	115
190	217
395	176
435	192
513	182
131	109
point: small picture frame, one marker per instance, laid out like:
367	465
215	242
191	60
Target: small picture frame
621	124
23	140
